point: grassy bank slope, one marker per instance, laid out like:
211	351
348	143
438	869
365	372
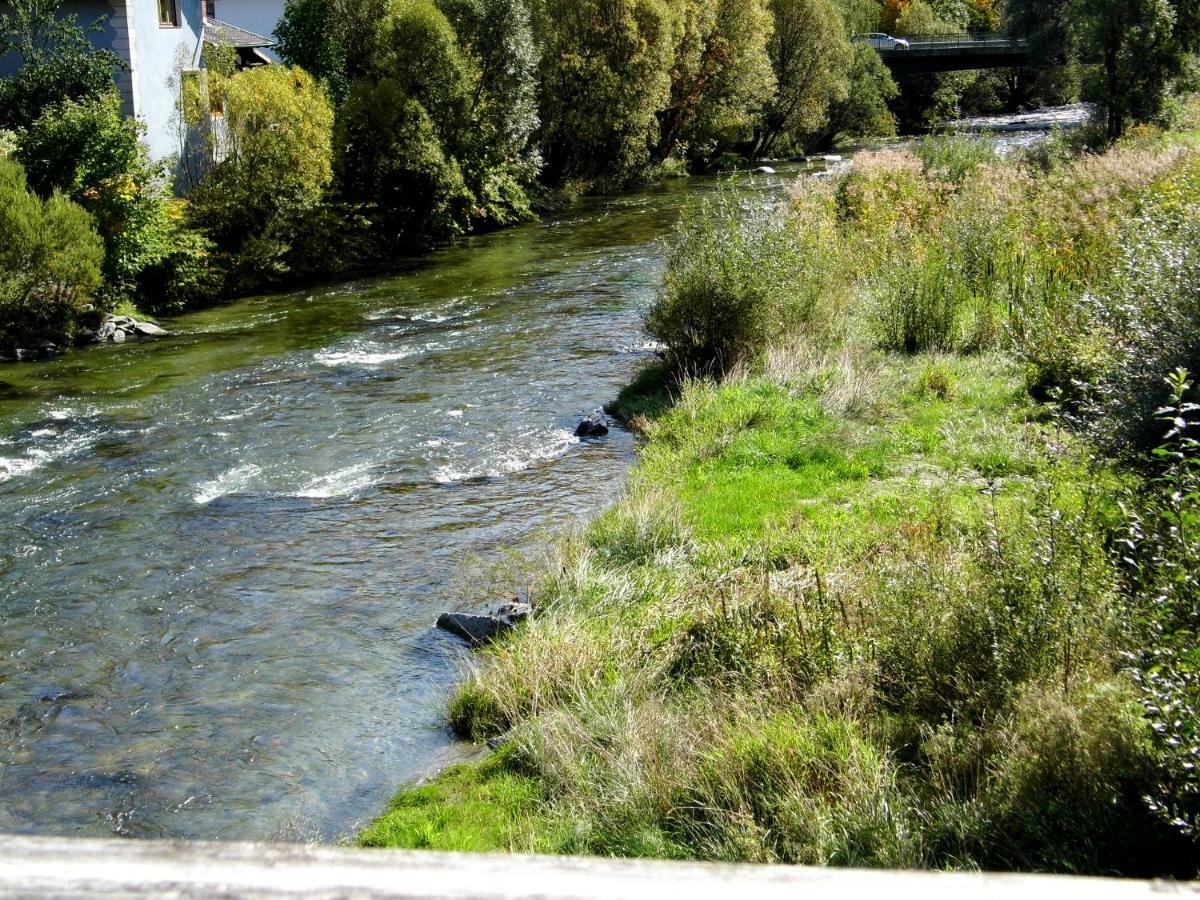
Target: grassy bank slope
862	603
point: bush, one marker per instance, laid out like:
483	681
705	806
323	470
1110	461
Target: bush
188	276
1162	561
391	161
90	152
278	158
734	279
50	260
58	62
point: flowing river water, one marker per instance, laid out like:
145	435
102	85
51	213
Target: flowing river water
221	554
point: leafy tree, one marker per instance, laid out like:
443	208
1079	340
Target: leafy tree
1138	47
605	76
88	151
864	111
1135	40
420	52
49	259
861	16
278	154
392	162
311	36
57	62
498	152
337	41
920	17
812	58
721	79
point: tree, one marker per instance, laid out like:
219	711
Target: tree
391	161
278	158
1135	40
56	62
864	111
49	259
311	36
498	152
812	58
605	77
721	78
336	41
87	150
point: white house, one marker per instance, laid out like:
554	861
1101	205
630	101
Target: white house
159	40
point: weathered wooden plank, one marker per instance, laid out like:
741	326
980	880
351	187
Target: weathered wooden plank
65	867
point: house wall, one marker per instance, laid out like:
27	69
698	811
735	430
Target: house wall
259	16
159	55
153	54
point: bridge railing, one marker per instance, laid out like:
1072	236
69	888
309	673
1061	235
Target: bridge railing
72	867
962	39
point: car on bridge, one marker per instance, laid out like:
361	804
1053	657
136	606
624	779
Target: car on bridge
881	41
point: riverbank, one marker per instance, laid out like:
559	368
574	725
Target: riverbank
871	600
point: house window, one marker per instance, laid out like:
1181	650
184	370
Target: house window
168	13
210	9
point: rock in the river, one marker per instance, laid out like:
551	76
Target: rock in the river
765	170
149	329
594	424
480	630
118	336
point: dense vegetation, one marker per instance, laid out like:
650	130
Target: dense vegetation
902	579
400	123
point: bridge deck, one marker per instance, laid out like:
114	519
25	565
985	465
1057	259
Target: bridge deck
955	52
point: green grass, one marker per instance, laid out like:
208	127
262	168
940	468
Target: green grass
474	807
856	607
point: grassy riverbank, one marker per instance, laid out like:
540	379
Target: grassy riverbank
870	598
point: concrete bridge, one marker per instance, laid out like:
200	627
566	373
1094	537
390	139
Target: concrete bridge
955	53
62	868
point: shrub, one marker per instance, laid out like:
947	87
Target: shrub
57	62
392	162
734	279
278	155
90	152
1162	561
954	158
50	259
187	276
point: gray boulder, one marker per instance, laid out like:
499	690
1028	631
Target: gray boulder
594	424
118	336
765	170
149	329
480	630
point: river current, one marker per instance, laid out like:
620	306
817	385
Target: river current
221	554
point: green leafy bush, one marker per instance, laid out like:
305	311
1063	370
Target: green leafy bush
50	260
391	161
278	155
734	279
90	152
1162	560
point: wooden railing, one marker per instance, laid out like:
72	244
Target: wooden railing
67	867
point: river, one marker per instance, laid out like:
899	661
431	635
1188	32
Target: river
223	552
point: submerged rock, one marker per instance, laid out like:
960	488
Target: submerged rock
479	630
149	329
594	424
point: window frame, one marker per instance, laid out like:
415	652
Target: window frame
176	18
